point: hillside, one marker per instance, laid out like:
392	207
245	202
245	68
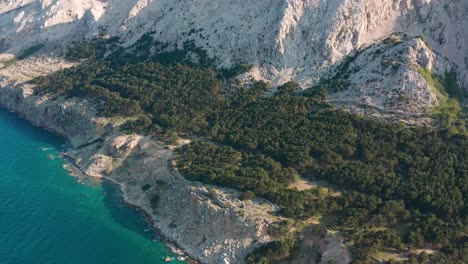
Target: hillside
286	40
286	131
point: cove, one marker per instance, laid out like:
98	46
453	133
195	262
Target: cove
46	216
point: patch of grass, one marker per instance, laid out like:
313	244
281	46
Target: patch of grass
272	251
161	183
435	82
447	112
328	220
25	54
421	37
450	107
447	91
248	195
9	62
449	95
401	229
394	40
387	256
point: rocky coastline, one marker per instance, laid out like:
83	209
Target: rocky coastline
207	223
173	246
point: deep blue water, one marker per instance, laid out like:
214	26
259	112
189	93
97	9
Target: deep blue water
46	216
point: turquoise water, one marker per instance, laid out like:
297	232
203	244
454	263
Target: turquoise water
46	216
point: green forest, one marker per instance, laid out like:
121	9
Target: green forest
259	140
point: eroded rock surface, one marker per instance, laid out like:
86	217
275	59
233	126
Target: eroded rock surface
299	39
386	78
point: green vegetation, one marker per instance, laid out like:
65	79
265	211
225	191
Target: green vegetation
434	82
276	250
421	37
449	108
92	50
25	54
337	82
260	144
132	90
394	40
210	163
234	71
450	95
9	62
256	175
248	195
30	51
446	86
154	201
451	86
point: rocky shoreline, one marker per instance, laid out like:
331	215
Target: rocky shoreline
172	245
210	229
76	171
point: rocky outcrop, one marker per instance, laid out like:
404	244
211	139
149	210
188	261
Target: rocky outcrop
288	39
386	78
58	115
207	222
318	246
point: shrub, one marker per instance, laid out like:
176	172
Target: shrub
276	250
248	195
154	201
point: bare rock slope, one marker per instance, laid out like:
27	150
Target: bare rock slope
286	39
387	79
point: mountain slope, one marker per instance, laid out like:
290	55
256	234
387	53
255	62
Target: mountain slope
382	58
287	39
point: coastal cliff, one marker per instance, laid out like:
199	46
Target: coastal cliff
208	223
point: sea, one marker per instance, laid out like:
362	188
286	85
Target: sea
48	217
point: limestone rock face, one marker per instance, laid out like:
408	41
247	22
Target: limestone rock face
386	78
59	115
288	39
